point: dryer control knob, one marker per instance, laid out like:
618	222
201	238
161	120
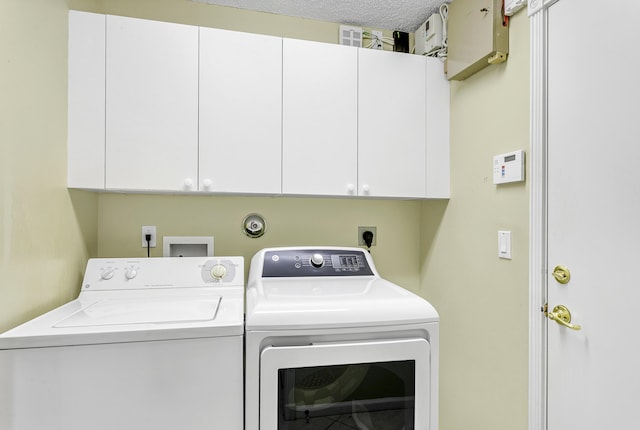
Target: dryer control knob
317	260
218	271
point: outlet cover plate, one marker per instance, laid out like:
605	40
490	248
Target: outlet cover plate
149	229
361	230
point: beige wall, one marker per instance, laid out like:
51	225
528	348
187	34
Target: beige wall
444	250
290	221
482	300
46	232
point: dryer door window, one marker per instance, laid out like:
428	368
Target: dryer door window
364	385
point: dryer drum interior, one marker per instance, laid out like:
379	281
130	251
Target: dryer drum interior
373	395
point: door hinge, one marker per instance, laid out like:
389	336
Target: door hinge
545	309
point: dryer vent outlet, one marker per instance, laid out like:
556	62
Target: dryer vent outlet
367	234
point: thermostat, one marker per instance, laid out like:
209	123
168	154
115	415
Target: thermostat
508	167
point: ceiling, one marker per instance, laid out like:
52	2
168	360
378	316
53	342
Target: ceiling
403	15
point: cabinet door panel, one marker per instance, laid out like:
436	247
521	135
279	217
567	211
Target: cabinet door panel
85	143
240	112
391	124
437	122
319	118
152	104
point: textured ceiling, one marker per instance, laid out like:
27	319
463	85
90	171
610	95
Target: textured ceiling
403	15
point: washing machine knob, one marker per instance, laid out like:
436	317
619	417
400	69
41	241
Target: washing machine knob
107	274
317	260
218	271
131	273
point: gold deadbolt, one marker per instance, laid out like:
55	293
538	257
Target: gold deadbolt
562	316
562	274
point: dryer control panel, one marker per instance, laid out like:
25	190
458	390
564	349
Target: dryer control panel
304	262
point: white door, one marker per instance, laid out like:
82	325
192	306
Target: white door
593	215
240	112
151	105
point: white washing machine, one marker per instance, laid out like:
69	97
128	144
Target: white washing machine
330	344
148	344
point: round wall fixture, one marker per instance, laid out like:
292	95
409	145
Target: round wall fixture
254	225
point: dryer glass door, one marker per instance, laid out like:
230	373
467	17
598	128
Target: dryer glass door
363	385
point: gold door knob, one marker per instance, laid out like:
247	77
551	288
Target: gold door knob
562	274
562	316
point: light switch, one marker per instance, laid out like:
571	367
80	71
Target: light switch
504	244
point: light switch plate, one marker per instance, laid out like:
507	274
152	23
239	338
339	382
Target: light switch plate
504	244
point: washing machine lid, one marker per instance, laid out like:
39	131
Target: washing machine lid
156	310
308	303
105	318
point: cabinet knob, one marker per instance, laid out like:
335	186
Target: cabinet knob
188	183
351	188
366	188
207	183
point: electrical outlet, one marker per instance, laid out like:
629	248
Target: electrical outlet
377	39
149	229
361	231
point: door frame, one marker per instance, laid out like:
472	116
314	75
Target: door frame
538	139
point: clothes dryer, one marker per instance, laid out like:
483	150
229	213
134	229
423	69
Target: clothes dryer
330	344
148	344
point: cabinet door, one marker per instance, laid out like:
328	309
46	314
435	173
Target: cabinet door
391	124
437	122
240	112
319	141
152	105
85	143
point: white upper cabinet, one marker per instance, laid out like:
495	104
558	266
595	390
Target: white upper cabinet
320	140
86	100
162	107
240	112
151	105
437	125
391	124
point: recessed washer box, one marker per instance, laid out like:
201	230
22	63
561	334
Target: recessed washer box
187	246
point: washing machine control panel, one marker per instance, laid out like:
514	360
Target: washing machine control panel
145	273
315	262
